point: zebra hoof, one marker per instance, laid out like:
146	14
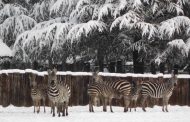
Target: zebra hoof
53	115
67	114
125	110
144	110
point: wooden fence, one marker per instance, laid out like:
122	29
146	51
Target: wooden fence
15	88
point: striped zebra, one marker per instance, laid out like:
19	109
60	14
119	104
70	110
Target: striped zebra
123	87
99	90
58	93
159	90
135	92
38	93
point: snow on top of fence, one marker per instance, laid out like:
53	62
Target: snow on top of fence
146	75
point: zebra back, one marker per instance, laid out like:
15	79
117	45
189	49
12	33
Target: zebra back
102	90
157	89
121	86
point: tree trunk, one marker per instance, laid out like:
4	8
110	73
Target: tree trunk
162	68
35	65
100	58
50	63
153	68
119	67
112	67
137	64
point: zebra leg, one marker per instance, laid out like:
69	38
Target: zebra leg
105	105
53	109
110	103
135	105
58	108
34	103
38	104
66	108
93	102
126	103
166	104
44	105
103	102
90	104
163	104
142	102
130	105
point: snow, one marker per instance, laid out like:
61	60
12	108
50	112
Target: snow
15	25
181	45
81	114
126	21
90	27
146	29
5	50
173	26
146	75
11	10
105	10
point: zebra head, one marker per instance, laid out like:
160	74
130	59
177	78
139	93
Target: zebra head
33	82
96	77
52	78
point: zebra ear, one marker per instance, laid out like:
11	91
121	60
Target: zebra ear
55	70
49	71
173	74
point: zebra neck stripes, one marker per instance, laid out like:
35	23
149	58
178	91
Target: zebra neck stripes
53	91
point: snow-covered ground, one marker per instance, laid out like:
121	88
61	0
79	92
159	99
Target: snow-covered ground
81	114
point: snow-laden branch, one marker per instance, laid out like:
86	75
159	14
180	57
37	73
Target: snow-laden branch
11	10
126	21
40	11
173	7
47	23
62	6
53	37
16	25
72	33
172	45
90	27
146	29
180	45
172	26
105	10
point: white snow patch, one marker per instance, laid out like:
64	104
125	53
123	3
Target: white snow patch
81	114
5	50
146	75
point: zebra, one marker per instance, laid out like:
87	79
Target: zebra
38	93
58	93
135	92
158	90
123	87
99	90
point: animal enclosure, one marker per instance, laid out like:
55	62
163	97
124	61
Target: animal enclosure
15	87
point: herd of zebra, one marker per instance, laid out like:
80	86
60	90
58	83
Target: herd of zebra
100	90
